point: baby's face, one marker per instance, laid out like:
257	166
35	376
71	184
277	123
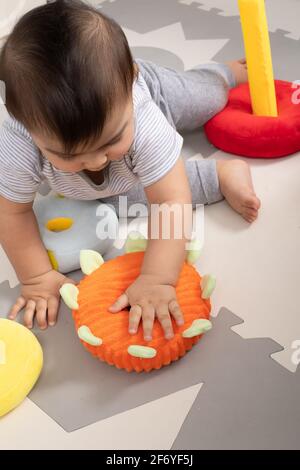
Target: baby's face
115	141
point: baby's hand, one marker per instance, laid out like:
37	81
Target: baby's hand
149	298
40	296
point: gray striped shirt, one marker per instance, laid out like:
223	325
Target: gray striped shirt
155	150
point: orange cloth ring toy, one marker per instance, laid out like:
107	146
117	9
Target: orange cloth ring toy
105	334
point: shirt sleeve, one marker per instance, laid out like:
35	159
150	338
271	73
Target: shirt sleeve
157	145
19	166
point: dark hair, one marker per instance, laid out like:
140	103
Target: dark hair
66	66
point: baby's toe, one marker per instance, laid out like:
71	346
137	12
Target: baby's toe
252	202
250	214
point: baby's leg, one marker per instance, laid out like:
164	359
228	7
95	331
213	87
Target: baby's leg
210	182
203	180
190	98
237	188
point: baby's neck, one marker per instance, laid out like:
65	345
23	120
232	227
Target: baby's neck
97	177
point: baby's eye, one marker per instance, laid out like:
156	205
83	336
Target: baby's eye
72	157
115	141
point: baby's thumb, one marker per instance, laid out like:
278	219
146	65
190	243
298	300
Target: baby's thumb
68	280
119	304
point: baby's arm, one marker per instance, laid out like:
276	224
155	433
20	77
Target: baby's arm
153	293
20	238
164	257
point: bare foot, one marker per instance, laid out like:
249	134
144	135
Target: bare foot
237	188
239	70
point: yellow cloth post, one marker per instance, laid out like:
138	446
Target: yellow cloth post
259	57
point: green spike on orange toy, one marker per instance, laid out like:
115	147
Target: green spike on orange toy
105	335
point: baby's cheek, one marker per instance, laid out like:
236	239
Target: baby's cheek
59	164
118	151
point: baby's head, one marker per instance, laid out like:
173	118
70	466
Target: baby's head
69	73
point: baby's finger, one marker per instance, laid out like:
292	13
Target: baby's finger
176	312
135	315
20	303
119	304
53	304
165	320
29	313
148	320
41	313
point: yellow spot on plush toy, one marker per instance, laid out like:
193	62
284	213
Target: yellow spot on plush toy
21	361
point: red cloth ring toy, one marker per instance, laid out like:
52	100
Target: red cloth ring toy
237	130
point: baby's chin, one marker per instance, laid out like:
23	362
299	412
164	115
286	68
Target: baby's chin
98	169
115	159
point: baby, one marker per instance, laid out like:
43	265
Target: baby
95	124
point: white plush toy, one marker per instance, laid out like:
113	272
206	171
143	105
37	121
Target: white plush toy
68	226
